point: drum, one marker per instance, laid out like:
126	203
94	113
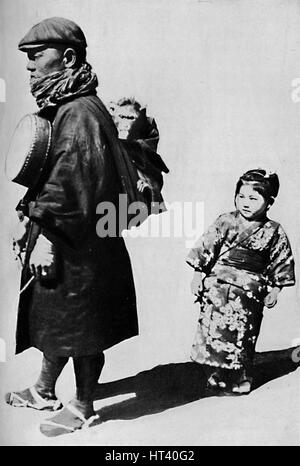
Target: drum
28	150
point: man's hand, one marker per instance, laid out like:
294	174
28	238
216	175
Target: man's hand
19	238
271	298
197	284
42	257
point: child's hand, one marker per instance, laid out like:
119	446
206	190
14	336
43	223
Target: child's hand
196	284
271	298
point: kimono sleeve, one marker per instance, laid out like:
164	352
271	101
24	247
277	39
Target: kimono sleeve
207	248
280	270
64	207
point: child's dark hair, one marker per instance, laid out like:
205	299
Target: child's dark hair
266	184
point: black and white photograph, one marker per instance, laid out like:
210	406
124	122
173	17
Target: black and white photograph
150	225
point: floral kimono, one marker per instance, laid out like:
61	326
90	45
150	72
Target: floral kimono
239	265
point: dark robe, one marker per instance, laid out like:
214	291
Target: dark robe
90	305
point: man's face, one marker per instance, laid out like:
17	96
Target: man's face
43	61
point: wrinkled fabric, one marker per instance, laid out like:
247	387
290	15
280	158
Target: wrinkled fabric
57	87
239	268
91	304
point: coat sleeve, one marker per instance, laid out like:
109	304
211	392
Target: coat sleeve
280	270
207	248
65	206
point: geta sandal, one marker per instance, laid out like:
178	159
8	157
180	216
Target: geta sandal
243	387
215	381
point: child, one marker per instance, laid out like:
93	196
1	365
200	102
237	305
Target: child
246	259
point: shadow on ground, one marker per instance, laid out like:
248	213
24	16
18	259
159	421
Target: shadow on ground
171	385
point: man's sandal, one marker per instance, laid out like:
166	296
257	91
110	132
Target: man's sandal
30	398
52	428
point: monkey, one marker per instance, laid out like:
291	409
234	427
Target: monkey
132	122
139	136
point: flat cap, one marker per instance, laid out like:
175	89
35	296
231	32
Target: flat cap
53	31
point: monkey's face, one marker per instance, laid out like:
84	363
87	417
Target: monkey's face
124	118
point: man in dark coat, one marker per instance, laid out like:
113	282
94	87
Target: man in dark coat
82	300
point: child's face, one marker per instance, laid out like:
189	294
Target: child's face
250	203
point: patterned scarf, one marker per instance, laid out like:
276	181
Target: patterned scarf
62	85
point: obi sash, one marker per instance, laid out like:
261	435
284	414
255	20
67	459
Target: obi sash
250	260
